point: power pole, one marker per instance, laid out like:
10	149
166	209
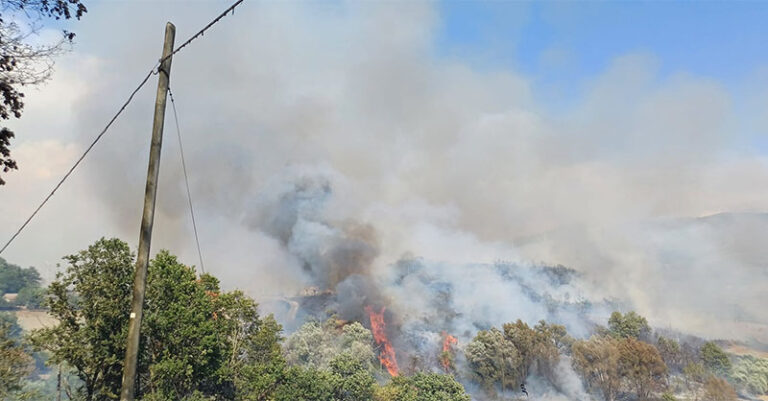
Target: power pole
128	390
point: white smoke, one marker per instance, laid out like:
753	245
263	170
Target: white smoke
446	163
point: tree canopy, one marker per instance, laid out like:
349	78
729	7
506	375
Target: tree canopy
628	325
195	340
15	363
14	278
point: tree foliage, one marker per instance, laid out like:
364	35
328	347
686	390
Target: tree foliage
628	325
9	320
196	342
346	380
255	360
315	344
751	373
422	387
715	359
14	278
15	363
493	360
641	366
597	360
31	297
539	347
301	384
24	62
611	365
91	302
182	352
670	352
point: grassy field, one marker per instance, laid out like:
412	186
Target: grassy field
34	319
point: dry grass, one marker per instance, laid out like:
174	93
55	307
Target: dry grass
34	319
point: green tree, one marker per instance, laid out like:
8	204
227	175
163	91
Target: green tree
353	380
91	302
13	278
310	346
422	387
12	324
314	345
31	297
300	384
182	350
493	360
628	325
715	359
255	360
196	342
15	364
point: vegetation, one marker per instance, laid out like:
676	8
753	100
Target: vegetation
751	373
715	359
717	389
201	343
629	325
315	345
597	360
641	367
23	62
493	360
14	278
422	387
25	283
15	363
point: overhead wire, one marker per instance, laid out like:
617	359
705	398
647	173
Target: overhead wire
186	178
155	70
80	159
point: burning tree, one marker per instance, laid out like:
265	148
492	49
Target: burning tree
386	351
448	353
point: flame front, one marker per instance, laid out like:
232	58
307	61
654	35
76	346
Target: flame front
446	358
379	329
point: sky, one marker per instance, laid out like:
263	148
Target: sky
583	133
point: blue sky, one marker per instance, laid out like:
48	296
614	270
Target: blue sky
561	44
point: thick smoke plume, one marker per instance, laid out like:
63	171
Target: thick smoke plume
333	146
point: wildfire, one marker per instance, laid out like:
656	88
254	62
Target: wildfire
446	357
379	329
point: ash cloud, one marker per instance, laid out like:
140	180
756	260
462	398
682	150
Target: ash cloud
327	141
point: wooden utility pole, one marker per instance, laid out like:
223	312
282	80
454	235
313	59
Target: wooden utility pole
128	390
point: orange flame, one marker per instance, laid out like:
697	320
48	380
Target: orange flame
379	328
448	342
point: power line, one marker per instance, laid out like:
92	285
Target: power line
154	70
186	179
202	31
98	137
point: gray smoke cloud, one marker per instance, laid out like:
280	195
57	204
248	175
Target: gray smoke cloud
328	142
